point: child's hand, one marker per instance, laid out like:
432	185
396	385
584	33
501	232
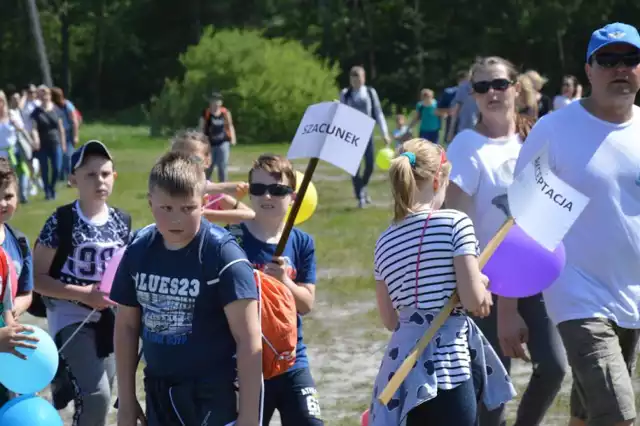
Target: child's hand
278	269
485	307
97	299
242	189
12	337
131	415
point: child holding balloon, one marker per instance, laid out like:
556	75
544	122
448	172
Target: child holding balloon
220	206
70	256
420	260
272	185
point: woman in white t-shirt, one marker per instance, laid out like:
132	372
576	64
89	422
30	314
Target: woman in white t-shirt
483	162
420	259
571	91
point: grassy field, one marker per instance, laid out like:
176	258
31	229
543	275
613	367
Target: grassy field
344	334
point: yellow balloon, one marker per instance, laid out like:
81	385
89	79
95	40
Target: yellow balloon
309	203
384	157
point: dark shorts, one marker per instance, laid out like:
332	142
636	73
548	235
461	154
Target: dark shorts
602	356
461	400
295	397
189	404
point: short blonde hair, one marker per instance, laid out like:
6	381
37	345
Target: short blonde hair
406	178
537	80
425	92
177	174
189	140
277	166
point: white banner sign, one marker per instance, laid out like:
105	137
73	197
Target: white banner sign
335	133
542	204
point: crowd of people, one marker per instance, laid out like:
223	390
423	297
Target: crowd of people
189	291
38	133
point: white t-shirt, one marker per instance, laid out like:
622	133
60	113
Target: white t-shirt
8	133
29	106
562	101
601	160
483	168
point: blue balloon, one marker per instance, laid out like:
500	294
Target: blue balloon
36	372
29	410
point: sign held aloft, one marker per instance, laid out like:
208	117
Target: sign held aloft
335	133
544	205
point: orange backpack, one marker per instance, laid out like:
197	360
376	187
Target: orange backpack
279	320
279	325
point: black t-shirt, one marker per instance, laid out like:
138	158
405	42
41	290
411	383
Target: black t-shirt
47	126
215	127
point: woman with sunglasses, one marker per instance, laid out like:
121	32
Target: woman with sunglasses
483	161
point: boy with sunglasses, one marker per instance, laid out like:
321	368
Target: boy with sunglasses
271	188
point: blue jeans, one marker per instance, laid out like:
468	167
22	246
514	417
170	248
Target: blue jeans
453	407
50	157
360	181
65	171
220	160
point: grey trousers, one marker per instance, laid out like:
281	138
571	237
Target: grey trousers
547	355
220	160
93	376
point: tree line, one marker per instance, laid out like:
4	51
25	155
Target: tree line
113	56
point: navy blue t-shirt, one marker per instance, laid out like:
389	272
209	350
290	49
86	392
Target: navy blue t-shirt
185	333
445	101
300	254
23	265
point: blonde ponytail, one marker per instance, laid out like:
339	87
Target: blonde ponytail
403	186
417	164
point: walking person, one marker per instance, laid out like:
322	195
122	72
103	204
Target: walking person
217	124
463	111
365	99
483	161
71	124
49	137
595	303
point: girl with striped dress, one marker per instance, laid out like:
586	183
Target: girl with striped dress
420	259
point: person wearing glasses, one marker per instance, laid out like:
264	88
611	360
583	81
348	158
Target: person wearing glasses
595	303
484	160
365	99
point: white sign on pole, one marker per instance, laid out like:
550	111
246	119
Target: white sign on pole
542	204
335	133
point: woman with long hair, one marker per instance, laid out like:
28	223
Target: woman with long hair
49	136
420	259
11	130
483	161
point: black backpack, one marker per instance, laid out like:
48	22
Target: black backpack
349	93
64	216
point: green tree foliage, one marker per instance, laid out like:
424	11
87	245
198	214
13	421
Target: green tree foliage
267	84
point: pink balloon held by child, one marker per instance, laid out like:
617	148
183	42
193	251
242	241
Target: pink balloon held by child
364	418
110	271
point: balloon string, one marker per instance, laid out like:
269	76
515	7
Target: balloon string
76	330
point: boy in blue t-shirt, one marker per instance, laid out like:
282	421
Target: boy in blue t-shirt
14	242
271	186
186	288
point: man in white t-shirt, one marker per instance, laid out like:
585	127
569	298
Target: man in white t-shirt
594	146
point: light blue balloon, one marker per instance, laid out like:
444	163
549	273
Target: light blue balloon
36	372
29	410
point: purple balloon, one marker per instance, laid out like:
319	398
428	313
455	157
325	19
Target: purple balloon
520	267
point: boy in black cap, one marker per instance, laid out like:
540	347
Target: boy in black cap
70	257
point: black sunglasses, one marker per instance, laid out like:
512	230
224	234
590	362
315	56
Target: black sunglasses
500	84
274	189
612	60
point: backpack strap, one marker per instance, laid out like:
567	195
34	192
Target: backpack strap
23	243
373	104
64	228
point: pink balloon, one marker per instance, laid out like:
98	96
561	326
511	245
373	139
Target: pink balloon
13	276
364	418
110	271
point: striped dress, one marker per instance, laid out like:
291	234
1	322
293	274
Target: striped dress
419	290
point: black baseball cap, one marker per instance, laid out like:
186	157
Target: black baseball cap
91	147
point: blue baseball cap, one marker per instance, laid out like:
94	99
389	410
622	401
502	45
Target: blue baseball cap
613	33
91	147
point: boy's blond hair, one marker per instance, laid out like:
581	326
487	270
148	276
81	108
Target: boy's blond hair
177	174
277	166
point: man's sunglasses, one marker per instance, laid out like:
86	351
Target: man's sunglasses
612	60
500	84
274	189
